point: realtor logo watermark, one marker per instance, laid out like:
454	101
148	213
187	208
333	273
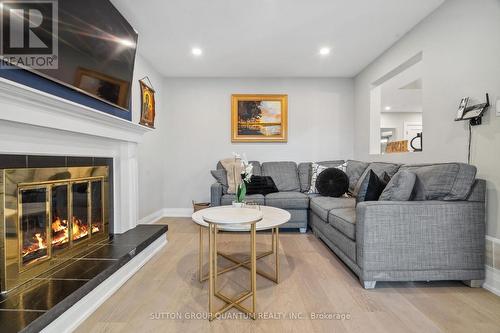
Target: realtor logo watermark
28	35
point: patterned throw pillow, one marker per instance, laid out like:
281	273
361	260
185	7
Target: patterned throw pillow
316	170
342	167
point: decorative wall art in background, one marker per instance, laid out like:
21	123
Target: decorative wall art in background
259	118
148	111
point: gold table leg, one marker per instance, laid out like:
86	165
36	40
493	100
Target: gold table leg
212	276
245	262
253	271
210	269
200	256
276	255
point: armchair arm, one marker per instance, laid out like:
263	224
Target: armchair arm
215	194
420	235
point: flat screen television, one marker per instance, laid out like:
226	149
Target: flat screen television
96	51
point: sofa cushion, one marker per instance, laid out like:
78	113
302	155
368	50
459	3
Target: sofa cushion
221	177
444	181
379	168
344	220
284	174
227	199
400	187
305	172
322	205
354	170
478	191
287	200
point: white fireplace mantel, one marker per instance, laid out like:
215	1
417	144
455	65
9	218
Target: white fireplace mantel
34	122
23	104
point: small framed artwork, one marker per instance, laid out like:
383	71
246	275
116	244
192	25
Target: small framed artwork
102	86
259	118
148	111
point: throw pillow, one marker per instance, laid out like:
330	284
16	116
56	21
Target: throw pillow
221	177
332	182
343	167
233	169
371	187
316	170
261	185
400	188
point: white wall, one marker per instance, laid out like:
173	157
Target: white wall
197	125
461	53
151	157
397	120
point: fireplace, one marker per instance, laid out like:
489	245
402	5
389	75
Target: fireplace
50	215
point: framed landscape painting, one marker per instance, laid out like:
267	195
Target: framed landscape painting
259	118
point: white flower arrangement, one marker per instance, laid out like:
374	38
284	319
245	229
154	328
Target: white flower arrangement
246	176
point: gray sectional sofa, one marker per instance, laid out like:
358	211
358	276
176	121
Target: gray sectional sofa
438	235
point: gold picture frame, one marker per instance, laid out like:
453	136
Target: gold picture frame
148	108
259	118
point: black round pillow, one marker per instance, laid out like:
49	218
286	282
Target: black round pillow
332	182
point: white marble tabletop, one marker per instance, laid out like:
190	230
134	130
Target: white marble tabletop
230	218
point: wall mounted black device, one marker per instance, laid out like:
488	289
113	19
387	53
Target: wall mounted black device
415	146
472	113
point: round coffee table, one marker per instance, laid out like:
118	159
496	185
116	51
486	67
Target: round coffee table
228	218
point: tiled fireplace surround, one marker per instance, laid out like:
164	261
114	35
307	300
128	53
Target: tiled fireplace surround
53	208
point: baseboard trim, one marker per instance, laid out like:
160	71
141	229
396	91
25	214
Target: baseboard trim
166	212
153	217
492	280
177	212
74	316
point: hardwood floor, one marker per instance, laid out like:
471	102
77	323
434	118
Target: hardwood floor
313	280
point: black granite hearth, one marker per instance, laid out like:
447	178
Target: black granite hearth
32	307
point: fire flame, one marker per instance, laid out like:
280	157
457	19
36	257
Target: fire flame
60	234
38	244
59	225
39	239
80	230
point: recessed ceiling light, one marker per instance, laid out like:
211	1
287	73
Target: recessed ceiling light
387	108
196	51
324	51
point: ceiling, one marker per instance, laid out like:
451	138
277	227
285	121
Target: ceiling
269	38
